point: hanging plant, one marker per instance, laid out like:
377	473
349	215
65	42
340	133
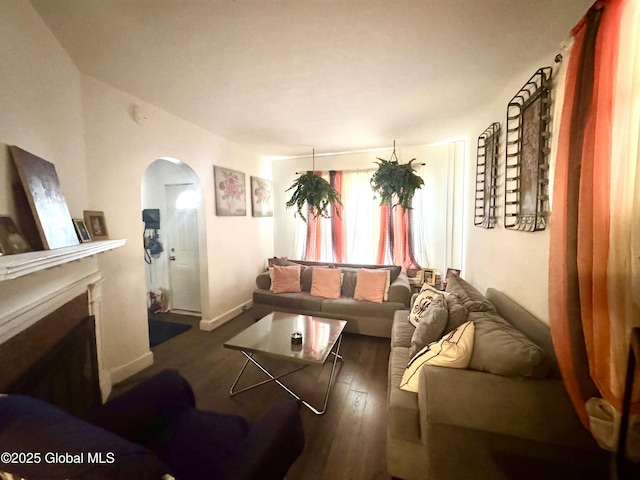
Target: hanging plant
395	181
314	191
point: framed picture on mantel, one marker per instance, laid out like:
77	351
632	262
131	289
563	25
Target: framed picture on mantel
96	224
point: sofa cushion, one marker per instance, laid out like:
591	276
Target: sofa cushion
357	308
372	285
427	295
349	279
404	413
302	301
501	349
286	279
432	325
453	351
468	295
325	282
457	313
401	330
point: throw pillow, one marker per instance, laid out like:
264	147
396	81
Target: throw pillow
503	350
453	351
286	279
431	326
349	279
371	285
423	300
325	282
458	313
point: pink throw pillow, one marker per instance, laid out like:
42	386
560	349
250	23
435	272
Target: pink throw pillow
325	282
286	279
371	284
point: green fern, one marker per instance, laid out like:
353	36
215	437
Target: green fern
395	181
314	191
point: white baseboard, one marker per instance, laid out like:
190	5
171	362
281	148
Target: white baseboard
208	325
125	371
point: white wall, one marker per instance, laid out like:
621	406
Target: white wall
514	262
443	175
119	151
86	129
41	104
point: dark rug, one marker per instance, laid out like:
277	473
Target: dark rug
161	330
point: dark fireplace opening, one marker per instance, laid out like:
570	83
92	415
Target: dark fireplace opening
55	359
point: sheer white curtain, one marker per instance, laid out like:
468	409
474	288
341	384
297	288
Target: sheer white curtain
361	215
423	219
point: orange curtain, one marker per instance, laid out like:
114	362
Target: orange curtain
337	236
579	313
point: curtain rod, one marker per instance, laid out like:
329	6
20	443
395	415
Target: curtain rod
350	170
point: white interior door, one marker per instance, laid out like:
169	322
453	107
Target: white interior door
182	247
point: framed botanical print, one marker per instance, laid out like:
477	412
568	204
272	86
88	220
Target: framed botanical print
231	192
526	204
261	197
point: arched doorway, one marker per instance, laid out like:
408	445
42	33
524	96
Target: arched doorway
172	257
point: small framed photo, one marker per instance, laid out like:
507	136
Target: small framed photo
452	271
429	276
96	225
11	240
81	230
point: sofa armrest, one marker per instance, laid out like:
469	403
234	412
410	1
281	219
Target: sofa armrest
263	281
144	410
537	410
400	290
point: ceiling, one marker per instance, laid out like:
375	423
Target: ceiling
283	76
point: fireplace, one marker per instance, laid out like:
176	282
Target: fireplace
50	325
55	359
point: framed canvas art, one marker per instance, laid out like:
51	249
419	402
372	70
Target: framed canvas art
96	224
49	208
261	197
11	241
231	192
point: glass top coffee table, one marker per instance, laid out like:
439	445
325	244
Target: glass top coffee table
272	336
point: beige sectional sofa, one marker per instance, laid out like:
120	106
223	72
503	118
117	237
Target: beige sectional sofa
489	421
363	317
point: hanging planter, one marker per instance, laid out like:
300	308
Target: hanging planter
395	183
315	192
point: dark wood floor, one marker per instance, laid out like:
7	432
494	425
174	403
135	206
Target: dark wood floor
347	442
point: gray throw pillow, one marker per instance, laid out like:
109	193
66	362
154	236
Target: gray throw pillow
457	313
431	326
501	349
349	277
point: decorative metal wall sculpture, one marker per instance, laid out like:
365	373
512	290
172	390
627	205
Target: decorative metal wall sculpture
526	203
487	177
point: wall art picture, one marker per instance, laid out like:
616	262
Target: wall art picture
49	208
81	230
11	241
527	149
231	192
486	177
96	224
261	197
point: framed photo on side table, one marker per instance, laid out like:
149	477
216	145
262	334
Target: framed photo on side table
429	276
96	224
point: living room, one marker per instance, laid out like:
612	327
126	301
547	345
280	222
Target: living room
86	126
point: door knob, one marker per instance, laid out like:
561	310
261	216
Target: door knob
172	258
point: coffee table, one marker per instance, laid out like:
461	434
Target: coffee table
271	336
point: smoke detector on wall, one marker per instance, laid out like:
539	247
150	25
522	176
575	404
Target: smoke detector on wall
139	115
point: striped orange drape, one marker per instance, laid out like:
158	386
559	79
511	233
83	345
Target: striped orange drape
579	313
312	248
395	240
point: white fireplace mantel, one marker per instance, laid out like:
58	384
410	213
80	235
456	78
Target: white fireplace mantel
19	265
